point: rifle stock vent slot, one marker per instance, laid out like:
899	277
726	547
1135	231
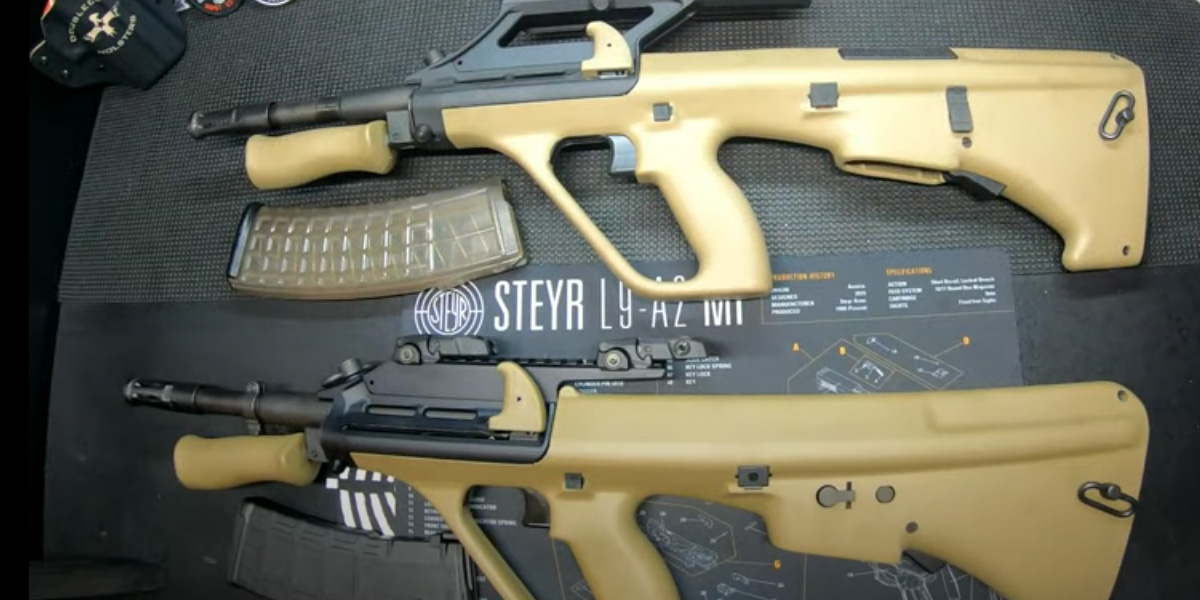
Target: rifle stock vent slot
883	170
391	411
452	415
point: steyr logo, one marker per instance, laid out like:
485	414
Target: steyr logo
454	311
102	23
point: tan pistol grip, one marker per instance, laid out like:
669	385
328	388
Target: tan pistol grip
599	528
220	464
284	161
711	211
605	540
449	499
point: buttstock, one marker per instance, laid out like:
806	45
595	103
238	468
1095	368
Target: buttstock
224	463
1064	135
1009	512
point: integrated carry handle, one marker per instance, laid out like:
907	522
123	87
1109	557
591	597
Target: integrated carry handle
278	162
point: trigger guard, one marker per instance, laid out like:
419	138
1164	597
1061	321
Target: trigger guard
623	160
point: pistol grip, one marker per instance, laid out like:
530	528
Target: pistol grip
220	464
711	211
450	502
284	161
617	560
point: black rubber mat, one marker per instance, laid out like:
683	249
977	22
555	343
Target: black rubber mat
157	210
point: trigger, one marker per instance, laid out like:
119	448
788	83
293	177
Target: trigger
624	156
537	512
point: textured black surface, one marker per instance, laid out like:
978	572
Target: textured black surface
157	211
111	491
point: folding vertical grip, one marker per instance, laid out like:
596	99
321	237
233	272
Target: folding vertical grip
275	162
224	463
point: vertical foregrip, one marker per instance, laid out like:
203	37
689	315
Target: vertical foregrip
224	463
616	558
284	161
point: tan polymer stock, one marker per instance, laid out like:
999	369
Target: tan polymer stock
989	480
1063	134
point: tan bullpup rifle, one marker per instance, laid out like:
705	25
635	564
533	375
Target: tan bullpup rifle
1031	489
1063	134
